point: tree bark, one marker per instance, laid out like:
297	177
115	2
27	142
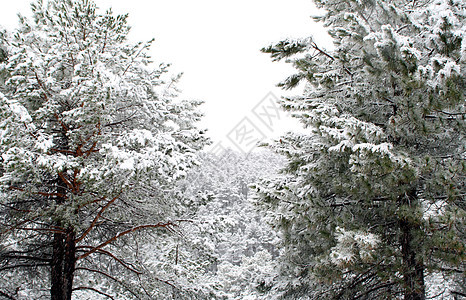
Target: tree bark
64	243
413	265
63	265
69	263
56	272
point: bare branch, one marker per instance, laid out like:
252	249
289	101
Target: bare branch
23	266
97	218
18	225
121	121
315	47
15	209
91	202
26	257
458	293
94	290
163	225
49	230
452	114
110	277
124	264
378	287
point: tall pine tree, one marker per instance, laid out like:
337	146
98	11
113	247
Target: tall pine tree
371	204
90	133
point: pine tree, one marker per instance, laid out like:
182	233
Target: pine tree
227	249
371	205
3	56
90	134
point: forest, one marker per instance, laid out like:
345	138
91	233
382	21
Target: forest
108	189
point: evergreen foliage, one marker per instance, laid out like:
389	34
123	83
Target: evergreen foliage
371	203
90	134
226	251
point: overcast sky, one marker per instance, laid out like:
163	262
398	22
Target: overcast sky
216	44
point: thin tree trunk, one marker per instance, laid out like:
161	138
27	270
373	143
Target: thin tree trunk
413	265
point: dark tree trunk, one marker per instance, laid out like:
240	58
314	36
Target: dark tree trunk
63	265
69	263
64	242
56	272
58	248
413	265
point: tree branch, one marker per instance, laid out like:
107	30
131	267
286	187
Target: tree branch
163	225
18	225
18	257
458	293
38	193
4	294
42	86
97	218
15	209
108	276
65	180
121	121
124	264
147	45
94	290
91	202
50	230
22	266
315	47
381	286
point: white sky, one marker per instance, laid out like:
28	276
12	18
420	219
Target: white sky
216	44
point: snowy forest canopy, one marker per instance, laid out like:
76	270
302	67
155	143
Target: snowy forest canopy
107	192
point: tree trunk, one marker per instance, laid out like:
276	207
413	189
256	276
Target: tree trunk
63	265
56	272
69	263
64	243
413	265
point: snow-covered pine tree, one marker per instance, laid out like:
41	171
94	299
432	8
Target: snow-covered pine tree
226	250
90	133
3	55
371	205
241	241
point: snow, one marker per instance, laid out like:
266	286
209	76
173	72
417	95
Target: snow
19	110
44	143
157	147
347	241
383	148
